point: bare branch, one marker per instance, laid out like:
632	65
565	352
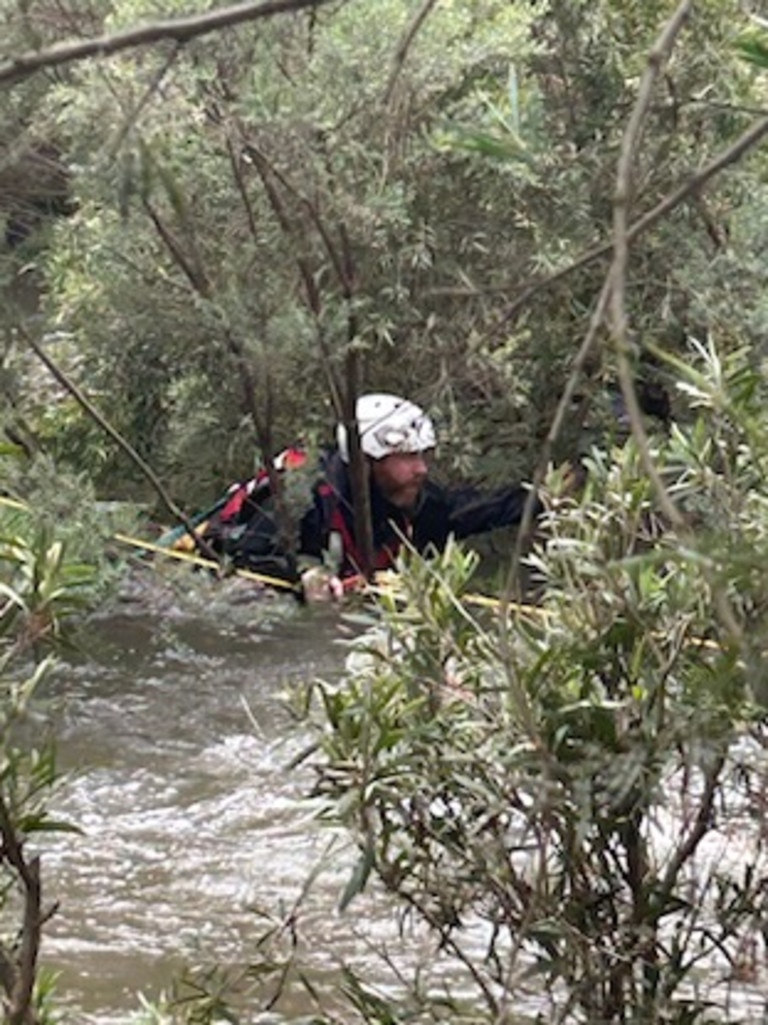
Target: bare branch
21	1012
311	208
577	367
618	270
266	172
312	293
345	399
132	454
701	825
153	87
237	174
617	274
608	292
181	30
612	297
23	972
191	268
746	141
405	44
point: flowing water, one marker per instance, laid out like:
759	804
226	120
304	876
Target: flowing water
173	731
174	734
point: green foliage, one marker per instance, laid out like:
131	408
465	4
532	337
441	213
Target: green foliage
160	274
569	774
247	215
60	519
256	211
754	49
40	591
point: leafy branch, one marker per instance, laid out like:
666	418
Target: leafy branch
611	300
688	188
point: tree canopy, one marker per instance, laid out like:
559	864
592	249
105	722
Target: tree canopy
370	195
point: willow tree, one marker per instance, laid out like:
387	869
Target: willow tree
248	241
382	195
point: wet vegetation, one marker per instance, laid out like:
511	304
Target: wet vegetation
545	222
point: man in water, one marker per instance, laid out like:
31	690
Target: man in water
396	439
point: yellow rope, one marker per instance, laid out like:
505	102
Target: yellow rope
387	584
197	560
381	585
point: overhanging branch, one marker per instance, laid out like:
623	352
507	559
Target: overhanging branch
692	186
180	30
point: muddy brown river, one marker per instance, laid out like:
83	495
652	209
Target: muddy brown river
175	740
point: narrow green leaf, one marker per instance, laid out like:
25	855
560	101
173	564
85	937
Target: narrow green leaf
358	879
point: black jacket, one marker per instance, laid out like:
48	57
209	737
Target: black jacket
441	512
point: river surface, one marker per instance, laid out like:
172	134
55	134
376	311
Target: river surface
175	738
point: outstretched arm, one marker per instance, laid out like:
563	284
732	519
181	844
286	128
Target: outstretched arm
475	511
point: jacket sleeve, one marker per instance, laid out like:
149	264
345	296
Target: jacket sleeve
474	511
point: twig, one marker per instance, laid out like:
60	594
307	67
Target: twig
617	274
701	825
405	44
312	293
132	454
133	116
729	156
345	401
191	268
200	281
180	29
336	258
237	174
595	323
746	141
618	271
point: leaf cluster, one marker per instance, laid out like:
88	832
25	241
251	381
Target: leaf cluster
569	773
41	590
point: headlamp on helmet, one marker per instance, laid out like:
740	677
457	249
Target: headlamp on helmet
388	424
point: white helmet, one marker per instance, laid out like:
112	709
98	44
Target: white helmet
388	424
